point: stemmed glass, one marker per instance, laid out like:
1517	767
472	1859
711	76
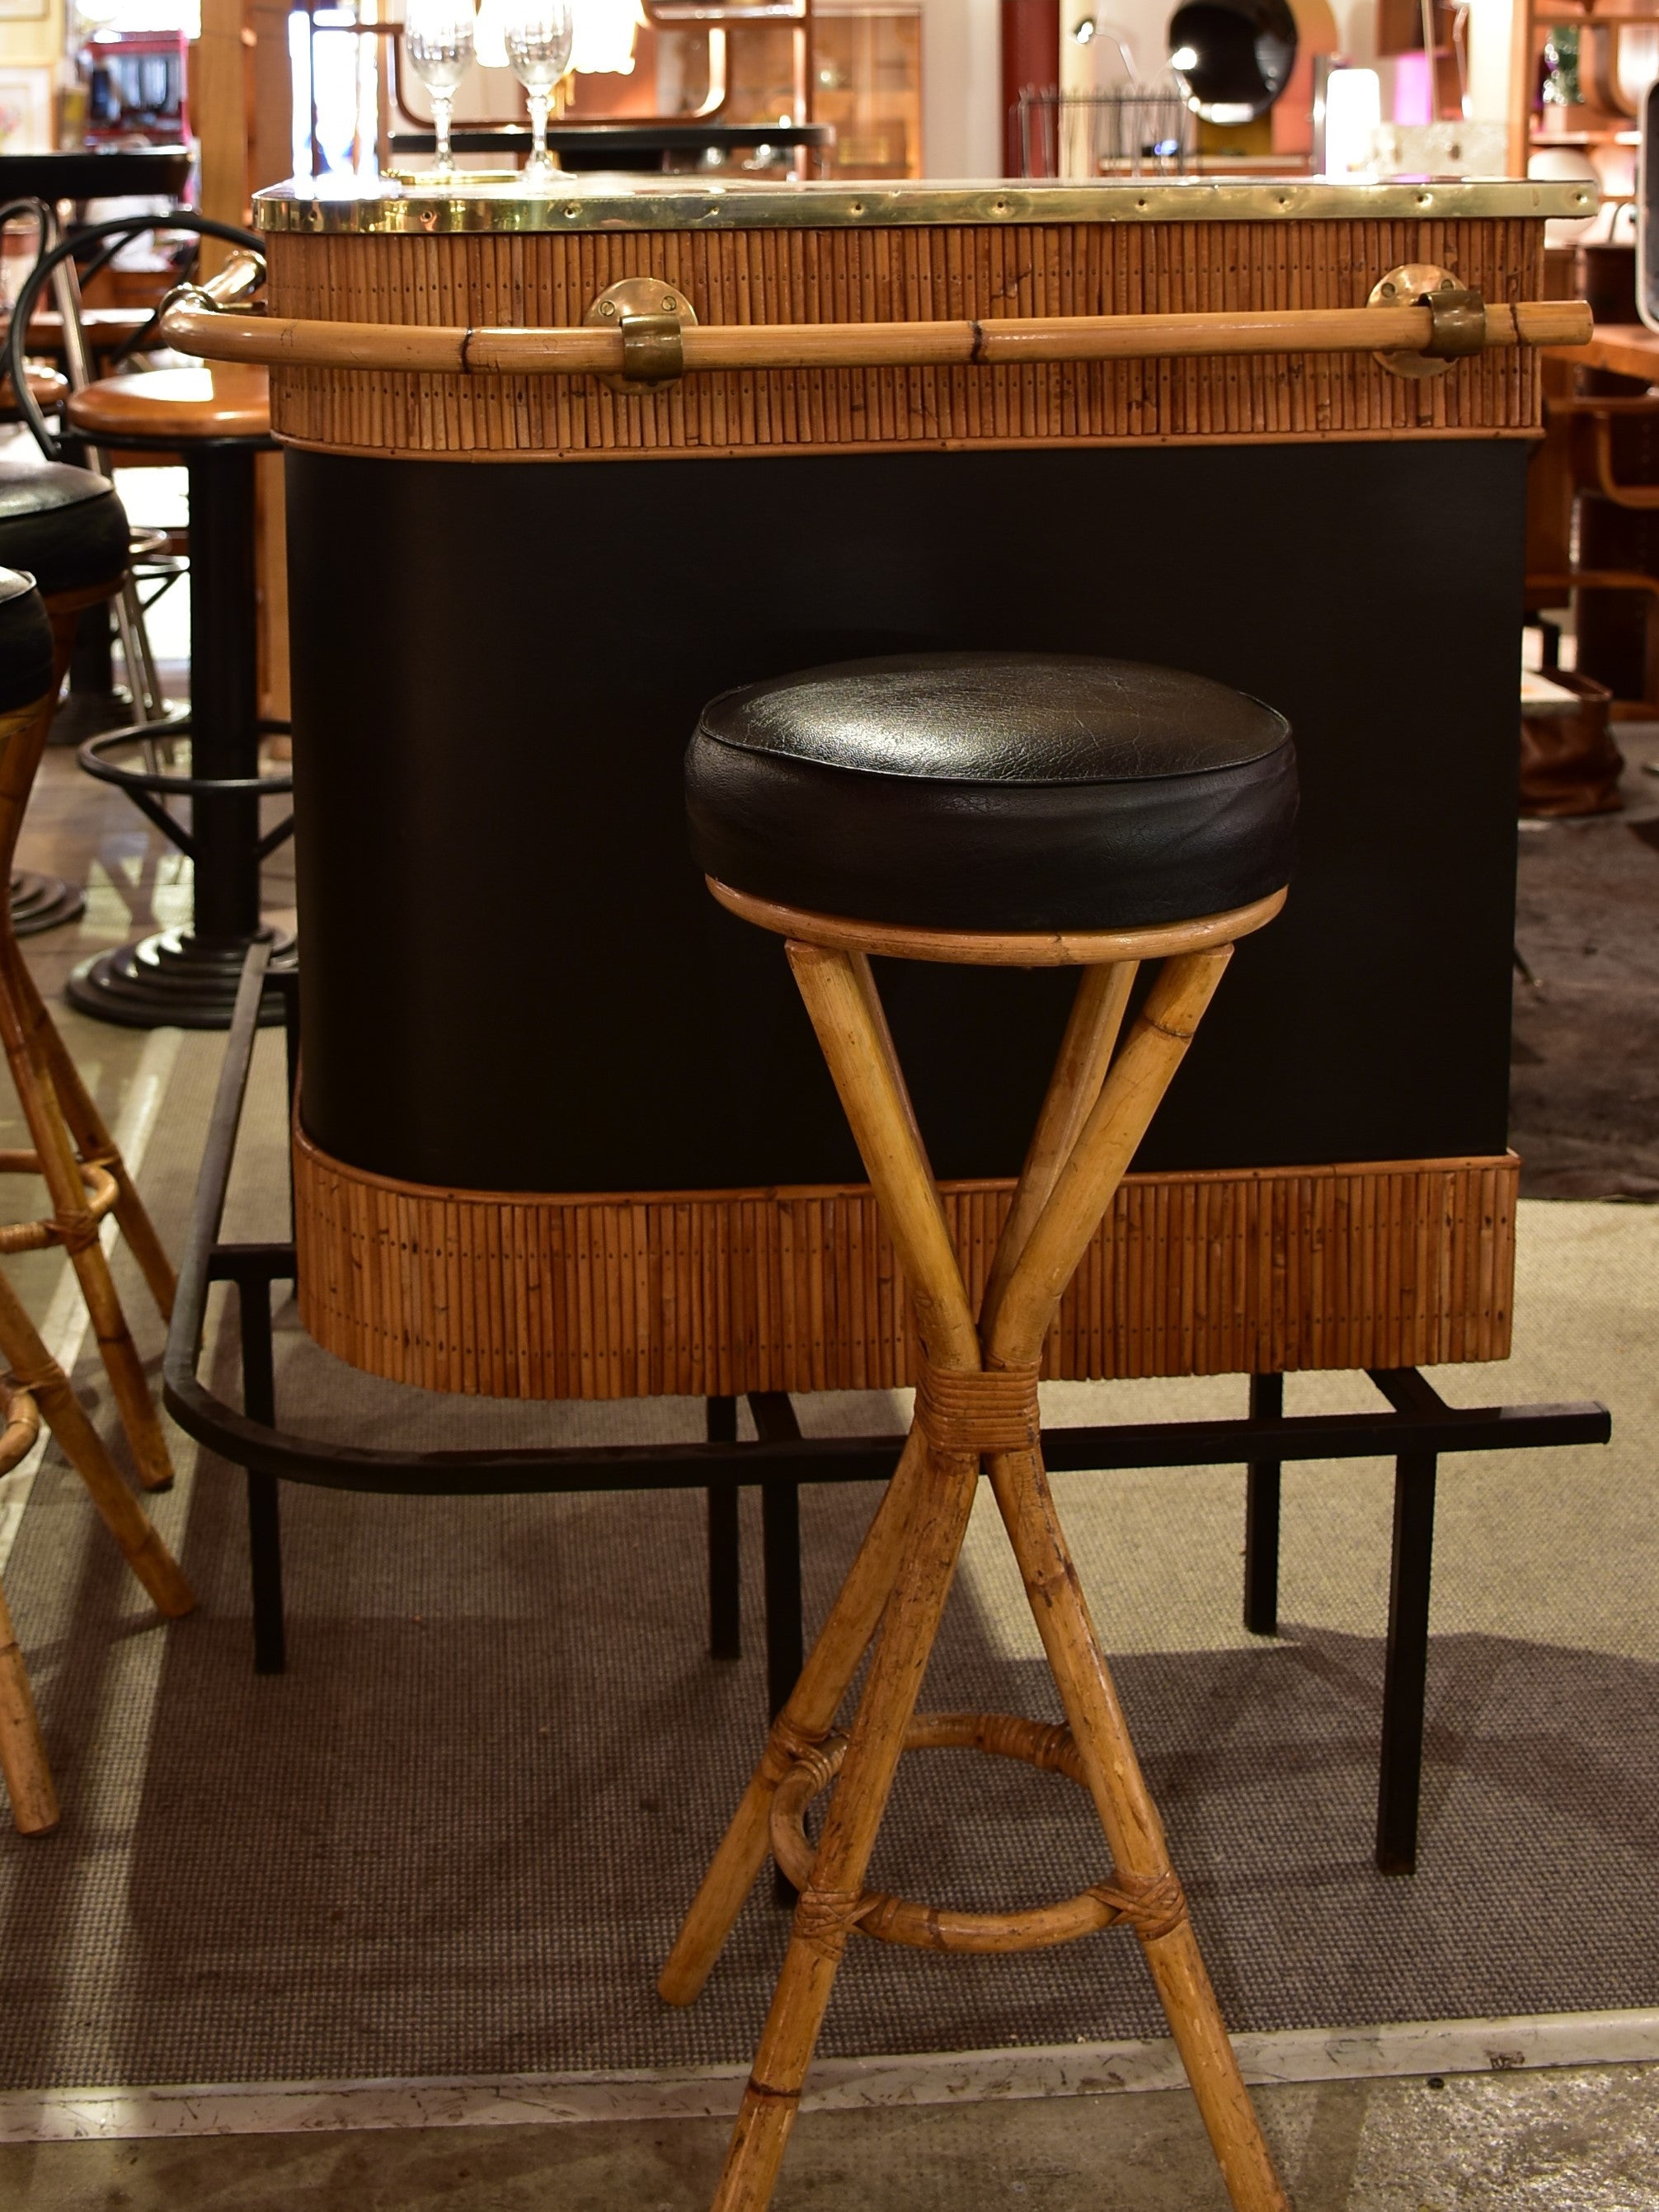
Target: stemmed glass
439	38
539	37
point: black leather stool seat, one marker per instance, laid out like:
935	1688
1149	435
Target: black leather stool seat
994	792
25	643
64	526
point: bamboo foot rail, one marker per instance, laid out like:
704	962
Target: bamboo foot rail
646	350
977	1401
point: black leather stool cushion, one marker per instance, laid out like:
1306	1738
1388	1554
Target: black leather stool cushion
25	643
994	790
65	526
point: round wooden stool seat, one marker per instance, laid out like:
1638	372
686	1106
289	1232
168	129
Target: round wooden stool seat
174	406
48	388
64	527
994	792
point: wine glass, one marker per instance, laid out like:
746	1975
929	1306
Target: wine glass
539	37
439	38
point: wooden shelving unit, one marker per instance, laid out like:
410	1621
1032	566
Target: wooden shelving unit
1602	125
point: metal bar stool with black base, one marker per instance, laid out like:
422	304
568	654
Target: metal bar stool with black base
84	1192
216	421
1008	811
68	529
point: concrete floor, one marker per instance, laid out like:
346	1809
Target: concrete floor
1572	2141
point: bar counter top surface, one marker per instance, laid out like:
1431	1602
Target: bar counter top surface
502	201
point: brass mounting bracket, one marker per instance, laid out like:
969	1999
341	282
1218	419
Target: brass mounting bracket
1457	317
650	314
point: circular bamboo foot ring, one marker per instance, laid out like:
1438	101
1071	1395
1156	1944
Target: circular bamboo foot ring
1153	1908
74	1231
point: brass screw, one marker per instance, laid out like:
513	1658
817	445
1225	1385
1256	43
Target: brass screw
1388	291
669	305
607	307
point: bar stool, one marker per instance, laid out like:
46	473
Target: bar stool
73	529
64	527
1008	810
84	1192
216	420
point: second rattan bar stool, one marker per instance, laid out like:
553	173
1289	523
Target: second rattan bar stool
83	1190
1018	811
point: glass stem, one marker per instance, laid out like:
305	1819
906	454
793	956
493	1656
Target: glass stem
443	106
538	105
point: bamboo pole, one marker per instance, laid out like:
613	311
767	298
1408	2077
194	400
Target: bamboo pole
1015	1324
23	736
1085	1052
878	1109
805	1719
1133	1830
287	341
140	1541
839	999
22	1753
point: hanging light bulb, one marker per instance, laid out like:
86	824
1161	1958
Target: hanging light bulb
489	39
606	30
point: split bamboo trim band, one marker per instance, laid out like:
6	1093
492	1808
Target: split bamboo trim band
824	1918
995	1410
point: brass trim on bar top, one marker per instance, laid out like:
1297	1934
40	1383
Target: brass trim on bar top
505	200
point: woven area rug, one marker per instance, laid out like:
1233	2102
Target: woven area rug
456	1836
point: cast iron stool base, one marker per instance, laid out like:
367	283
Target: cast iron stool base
175	980
188	979
41	903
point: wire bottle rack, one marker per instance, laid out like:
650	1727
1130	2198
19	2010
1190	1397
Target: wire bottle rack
1140	130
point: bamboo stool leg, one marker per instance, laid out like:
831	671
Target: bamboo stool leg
1095	1111
78	1234
33	1369
1017	1320
805	1721
1133	1831
33	1049
92	1140
22	1754
825	1915
840	997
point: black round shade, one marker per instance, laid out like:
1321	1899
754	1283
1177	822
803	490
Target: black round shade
1242	53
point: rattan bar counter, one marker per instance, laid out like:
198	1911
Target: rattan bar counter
562	1131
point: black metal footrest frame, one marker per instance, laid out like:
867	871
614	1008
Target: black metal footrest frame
1417	1429
141	785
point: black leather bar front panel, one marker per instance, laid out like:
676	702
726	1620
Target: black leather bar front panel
512	977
